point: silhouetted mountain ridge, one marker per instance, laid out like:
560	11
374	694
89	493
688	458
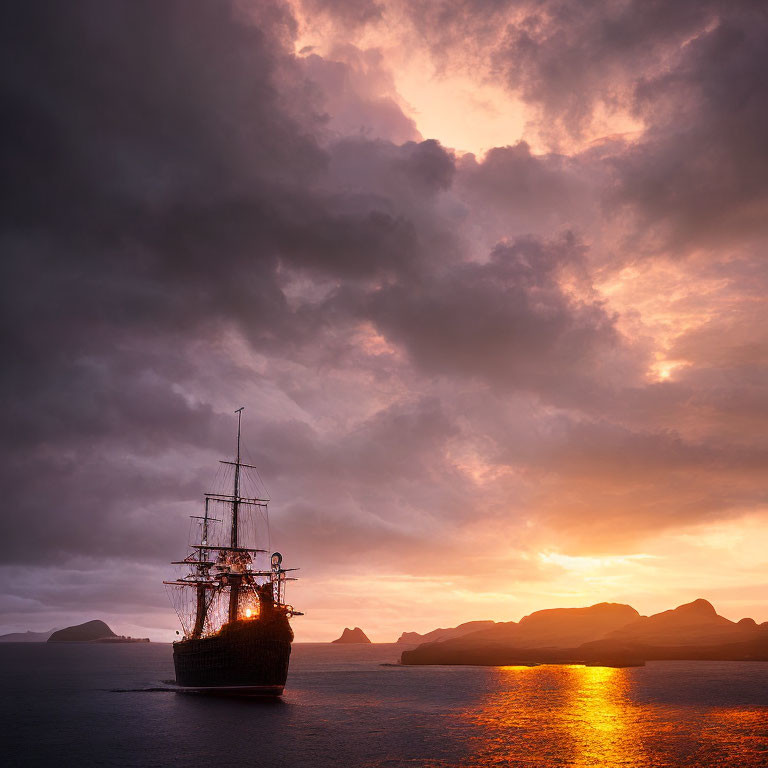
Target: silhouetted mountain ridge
696	623
603	632
445	634
553	627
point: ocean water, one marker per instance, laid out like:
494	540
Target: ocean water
98	705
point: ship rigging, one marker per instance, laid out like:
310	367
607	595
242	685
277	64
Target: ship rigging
230	594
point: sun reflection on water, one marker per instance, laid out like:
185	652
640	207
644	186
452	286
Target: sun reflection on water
587	717
601	723
559	715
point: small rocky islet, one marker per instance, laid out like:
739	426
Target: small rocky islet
355	635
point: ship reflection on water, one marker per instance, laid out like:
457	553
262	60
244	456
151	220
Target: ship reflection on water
583	717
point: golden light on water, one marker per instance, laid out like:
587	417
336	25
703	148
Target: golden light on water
583	717
602	725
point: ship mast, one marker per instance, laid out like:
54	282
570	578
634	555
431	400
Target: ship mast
234	589
202	571
236	494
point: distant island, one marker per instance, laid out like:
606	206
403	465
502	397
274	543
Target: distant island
26	637
610	634
355	635
95	631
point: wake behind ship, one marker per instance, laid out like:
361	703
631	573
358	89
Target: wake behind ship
230	596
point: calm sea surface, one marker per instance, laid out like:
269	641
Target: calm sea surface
90	705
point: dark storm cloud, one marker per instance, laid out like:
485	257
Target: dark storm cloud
698	176
156	161
165	178
392	485
517	179
507	320
124	185
569	57
359	95
513	191
114	172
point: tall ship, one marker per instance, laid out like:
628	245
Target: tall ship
230	592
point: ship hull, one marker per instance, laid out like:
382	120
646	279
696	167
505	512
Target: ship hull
234	690
247	657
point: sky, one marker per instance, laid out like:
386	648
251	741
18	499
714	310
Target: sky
489	277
